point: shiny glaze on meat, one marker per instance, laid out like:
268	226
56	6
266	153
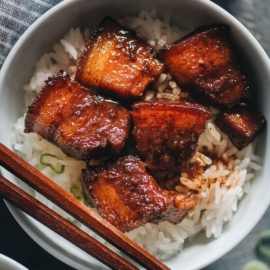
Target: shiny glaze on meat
205	64
82	124
117	62
167	132
242	124
128	197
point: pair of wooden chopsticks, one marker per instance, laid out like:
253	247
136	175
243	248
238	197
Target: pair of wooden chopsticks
34	178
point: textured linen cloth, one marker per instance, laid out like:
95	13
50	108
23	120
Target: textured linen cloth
15	17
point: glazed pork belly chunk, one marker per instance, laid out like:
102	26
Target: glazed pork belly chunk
166	132
128	197
242	123
204	63
117	62
82	124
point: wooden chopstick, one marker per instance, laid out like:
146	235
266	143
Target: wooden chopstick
34	178
58	224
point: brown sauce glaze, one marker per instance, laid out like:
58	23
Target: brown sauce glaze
128	197
117	62
166	132
82	124
205	64
242	123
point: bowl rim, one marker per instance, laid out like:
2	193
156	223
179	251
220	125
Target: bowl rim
8	262
23	219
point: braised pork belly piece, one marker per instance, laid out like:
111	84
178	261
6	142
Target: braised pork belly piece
117	62
82	124
204	63
242	124
128	197
166	132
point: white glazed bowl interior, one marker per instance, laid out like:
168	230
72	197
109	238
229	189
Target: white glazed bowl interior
52	26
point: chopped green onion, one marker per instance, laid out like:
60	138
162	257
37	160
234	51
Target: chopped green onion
51	165
77	192
255	265
264	238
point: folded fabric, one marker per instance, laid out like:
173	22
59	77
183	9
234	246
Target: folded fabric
15	17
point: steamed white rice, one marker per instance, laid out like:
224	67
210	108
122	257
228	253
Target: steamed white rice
221	184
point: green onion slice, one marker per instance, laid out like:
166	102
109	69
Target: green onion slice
255	265
264	238
51	165
77	192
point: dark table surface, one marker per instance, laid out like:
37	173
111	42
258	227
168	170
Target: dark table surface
16	244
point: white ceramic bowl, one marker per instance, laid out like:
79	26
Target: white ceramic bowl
48	29
9	264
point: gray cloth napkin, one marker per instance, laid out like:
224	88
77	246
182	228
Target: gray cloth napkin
15	17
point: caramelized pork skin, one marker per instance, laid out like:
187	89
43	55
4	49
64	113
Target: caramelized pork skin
128	197
117	62
82	124
167	132
242	124
204	63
